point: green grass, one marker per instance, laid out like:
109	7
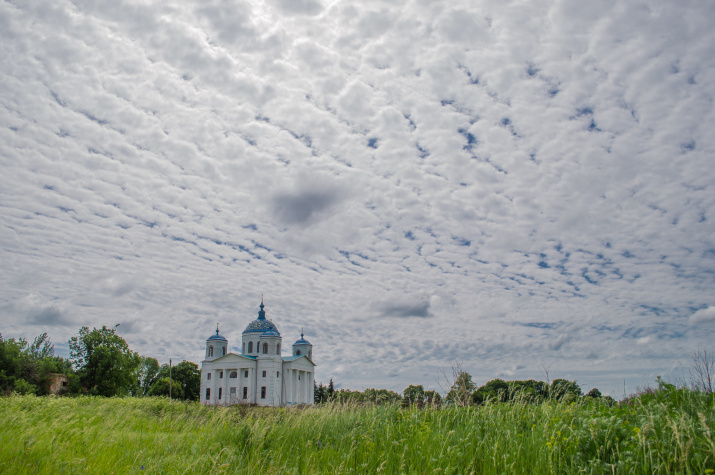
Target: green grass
658	434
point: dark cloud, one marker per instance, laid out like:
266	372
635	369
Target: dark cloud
419	309
302	208
299	7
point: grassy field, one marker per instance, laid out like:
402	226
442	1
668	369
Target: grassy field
658	433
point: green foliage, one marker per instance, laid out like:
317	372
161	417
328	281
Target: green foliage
26	367
594	393
413	395
562	389
461	391
432	398
667	431
105	364
320	393
23	387
162	388
147	375
369	396
330	393
188	375
498	390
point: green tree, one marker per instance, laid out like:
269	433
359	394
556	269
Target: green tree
25	367
496	390
105	364
147	374
188	375
594	393
461	391
432	398
414	395
320	394
161	388
331	390
562	389
380	396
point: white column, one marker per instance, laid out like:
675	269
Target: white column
295	385
311	389
289	385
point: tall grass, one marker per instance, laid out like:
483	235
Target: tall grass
672	434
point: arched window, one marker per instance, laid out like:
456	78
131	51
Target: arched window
297	352
223	350
265	348
278	349
244	348
234	374
211	351
310	354
250	347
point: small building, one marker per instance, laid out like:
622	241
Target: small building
259	374
57	382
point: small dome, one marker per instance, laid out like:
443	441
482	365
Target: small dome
261	325
302	340
216	336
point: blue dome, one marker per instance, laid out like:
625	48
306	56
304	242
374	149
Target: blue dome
261	325
216	336
302	340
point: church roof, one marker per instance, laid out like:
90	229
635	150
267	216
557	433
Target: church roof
302	340
288	359
270	333
261	325
217	336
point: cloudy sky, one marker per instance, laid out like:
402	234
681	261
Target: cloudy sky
510	186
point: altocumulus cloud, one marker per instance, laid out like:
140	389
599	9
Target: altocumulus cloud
503	184
705	315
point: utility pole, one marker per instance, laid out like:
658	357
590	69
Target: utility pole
169	379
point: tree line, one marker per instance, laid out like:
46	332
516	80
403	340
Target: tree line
463	392
100	363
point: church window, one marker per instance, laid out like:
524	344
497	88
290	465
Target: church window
223	351
297	352
245	392
220	374
208	376
244	348
278	374
264	374
263	392
233	393
219	392
208	393
211	351
265	348
245	374
250	347
310	354
278	349
298	377
234	374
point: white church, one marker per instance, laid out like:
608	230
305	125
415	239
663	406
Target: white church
260	374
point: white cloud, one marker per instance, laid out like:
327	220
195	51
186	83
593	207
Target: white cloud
547	164
705	315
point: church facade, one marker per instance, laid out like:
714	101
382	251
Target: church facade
260	374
